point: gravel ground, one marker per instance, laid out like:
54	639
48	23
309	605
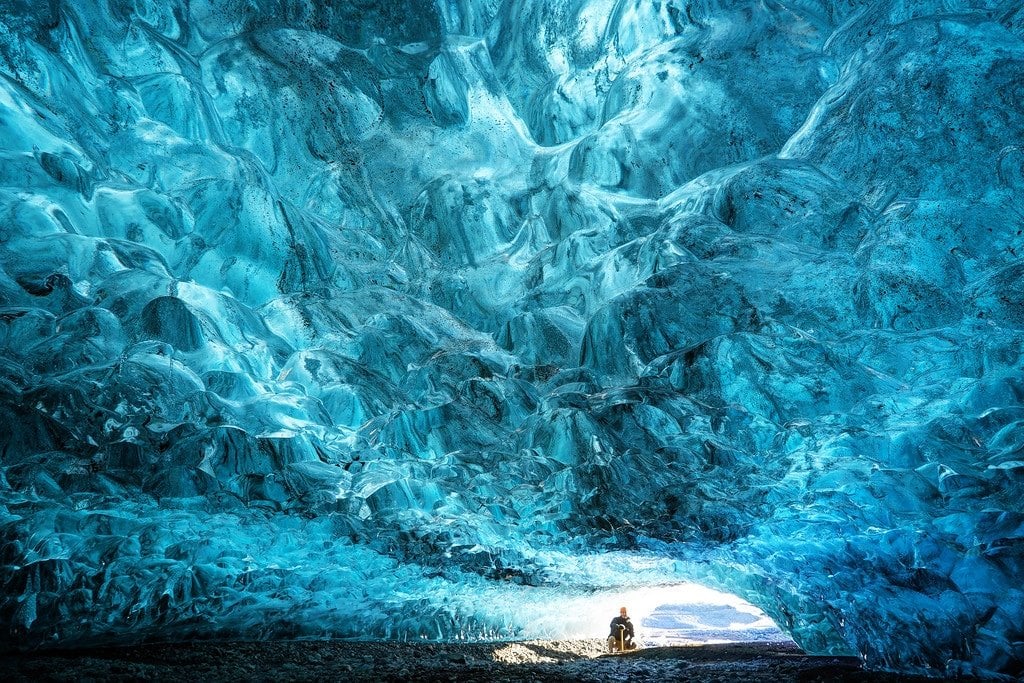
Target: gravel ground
576	660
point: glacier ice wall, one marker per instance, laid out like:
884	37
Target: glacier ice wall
410	319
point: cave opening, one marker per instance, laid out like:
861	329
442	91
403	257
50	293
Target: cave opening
691	614
678	614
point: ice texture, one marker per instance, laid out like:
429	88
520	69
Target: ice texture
424	319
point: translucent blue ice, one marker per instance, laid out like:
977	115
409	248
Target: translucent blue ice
417	319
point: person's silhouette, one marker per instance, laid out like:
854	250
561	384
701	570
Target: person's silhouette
621	636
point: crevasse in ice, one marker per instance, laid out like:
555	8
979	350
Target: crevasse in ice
409	319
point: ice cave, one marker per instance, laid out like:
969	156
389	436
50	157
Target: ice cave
425	319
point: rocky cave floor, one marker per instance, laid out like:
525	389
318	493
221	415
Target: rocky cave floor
575	660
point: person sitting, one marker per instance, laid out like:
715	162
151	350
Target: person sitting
621	636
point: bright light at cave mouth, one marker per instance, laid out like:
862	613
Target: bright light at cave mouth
681	614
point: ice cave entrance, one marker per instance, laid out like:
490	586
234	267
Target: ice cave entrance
683	614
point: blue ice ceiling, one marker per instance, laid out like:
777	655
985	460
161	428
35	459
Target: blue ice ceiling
413	319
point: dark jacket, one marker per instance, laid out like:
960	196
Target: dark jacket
622	621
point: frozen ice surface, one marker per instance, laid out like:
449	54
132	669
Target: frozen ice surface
414	319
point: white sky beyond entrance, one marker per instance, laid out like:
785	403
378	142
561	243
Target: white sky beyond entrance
682	614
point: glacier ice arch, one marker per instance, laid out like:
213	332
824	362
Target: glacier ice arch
405	319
